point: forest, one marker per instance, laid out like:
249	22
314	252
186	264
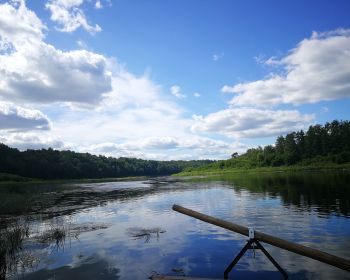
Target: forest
318	146
54	164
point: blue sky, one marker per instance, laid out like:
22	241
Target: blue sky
169	79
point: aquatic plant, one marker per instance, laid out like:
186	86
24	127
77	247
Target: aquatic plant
140	233
11	240
55	235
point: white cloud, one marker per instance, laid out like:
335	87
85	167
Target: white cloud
98	5
69	16
132	116
260	59
136	92
317	69
251	122
137	117
139	121
176	91
226	89
193	142
196	94
271	61
50	75
82	44
135	109
17	118
162	143
37	72
31	140
217	57
18	25
169	148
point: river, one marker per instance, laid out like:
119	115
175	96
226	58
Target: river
127	229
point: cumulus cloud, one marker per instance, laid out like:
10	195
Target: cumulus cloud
176	91
112	149
193	142
135	109
128	108
17	118
160	143
133	92
31	140
69	15
38	72
49	75
169	148
19	25
317	69
251	122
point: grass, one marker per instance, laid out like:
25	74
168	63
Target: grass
13	256
14	178
140	233
6	178
216	171
55	235
11	240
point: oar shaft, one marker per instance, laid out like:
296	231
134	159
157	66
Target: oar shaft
275	241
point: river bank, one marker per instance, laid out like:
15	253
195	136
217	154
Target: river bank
209	171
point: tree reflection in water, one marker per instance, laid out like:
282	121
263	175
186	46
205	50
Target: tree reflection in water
324	192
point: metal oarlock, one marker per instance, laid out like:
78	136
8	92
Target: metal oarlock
256	237
253	243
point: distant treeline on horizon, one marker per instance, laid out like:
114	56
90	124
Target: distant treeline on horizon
54	164
319	145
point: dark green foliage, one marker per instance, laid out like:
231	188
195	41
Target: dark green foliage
53	164
327	143
319	145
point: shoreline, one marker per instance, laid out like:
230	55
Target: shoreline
293	168
25	180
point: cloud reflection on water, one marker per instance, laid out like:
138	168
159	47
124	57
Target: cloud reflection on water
199	249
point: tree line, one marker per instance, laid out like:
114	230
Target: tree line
328	143
54	164
320	144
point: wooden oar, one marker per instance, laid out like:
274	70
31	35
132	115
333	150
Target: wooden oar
275	241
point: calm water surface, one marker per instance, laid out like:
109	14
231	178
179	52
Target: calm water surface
127	230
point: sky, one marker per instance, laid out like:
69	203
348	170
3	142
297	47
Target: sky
167	80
